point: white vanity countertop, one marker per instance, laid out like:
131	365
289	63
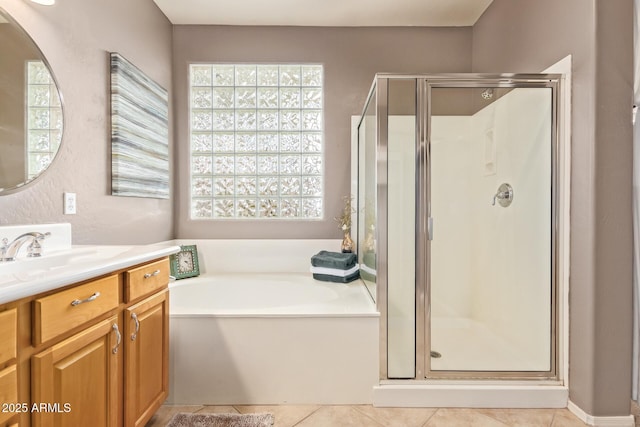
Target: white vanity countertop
30	276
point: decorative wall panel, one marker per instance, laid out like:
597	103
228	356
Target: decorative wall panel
139	133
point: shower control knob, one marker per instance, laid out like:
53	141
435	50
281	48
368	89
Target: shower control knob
504	195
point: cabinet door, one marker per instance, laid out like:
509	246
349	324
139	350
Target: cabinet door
75	382
8	375
8	334
9	393
146	376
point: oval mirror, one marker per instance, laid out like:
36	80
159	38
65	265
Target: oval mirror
31	119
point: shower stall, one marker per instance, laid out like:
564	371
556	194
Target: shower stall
457	225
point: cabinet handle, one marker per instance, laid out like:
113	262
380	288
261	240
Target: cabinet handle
91	298
118	338
134	335
155	273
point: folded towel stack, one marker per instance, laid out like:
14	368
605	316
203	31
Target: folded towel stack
335	267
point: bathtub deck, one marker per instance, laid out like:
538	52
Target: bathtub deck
269	294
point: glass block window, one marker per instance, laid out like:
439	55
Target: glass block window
256	141
44	118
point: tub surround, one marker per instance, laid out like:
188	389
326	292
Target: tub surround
261	330
258	255
223	360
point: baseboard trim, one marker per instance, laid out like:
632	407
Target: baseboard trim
621	421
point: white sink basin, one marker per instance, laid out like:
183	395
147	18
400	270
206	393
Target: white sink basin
25	266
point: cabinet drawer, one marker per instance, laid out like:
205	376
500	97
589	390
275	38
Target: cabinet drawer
8	391
60	312
146	279
8	334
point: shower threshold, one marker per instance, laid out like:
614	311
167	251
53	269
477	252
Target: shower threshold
470	394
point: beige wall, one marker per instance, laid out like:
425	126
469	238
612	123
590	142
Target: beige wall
351	57
76	36
518	36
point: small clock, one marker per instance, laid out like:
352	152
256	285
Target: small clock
185	263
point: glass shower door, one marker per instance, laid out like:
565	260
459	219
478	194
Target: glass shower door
367	200
401	228
491	246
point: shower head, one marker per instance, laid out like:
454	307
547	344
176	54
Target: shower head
487	93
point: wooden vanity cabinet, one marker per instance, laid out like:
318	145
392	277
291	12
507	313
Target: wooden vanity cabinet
71	357
146	366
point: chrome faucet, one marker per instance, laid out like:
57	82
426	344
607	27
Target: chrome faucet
8	251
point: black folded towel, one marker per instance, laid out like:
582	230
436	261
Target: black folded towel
336	260
336	279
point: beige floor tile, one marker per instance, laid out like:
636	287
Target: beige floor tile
461	417
564	418
284	415
368	416
166	412
216	409
398	417
338	416
521	417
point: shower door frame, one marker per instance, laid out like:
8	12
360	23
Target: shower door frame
424	83
423	210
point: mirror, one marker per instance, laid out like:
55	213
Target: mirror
31	119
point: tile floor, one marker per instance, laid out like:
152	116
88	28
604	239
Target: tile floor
368	416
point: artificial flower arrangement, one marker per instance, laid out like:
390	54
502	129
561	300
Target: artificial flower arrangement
345	224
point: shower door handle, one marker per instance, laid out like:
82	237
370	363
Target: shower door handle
430	228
